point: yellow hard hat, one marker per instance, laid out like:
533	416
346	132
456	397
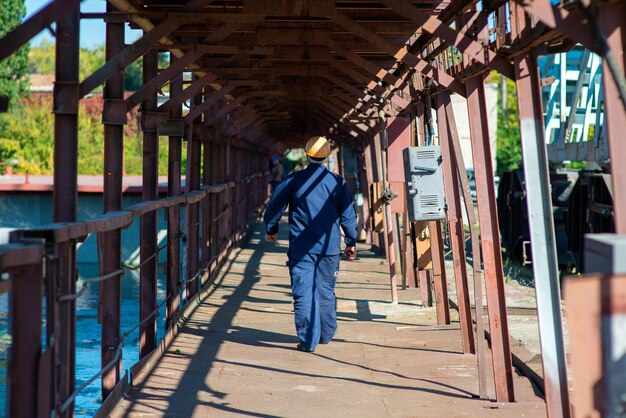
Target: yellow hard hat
317	147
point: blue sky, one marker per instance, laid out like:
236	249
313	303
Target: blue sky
91	30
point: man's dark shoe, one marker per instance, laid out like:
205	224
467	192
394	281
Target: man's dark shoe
301	347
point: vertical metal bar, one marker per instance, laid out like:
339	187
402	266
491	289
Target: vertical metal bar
25	316
542	241
65	188
206	202
148	244
110	297
490	236
408	267
613	25
442	304
389	230
173	213
455	224
192	183
369	175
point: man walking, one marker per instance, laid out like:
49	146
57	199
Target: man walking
319	203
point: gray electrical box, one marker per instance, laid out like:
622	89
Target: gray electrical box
424	183
605	253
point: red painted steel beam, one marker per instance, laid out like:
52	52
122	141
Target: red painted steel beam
25	318
464	43
196	5
110	291
613	23
490	237
41	20
148	225
566	22
542	240
207	103
440	285
368	66
190	91
127	56
455	224
172	72
65	108
371	85
174	168
192	183
401	54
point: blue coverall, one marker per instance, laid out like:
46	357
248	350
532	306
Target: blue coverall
319	202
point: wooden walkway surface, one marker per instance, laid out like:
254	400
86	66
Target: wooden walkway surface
236	355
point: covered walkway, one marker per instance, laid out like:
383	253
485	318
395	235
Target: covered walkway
236	354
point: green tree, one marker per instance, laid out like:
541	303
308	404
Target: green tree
14	69
508	146
41	58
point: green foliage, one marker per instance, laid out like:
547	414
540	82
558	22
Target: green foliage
27	141
508	147
42	59
14	69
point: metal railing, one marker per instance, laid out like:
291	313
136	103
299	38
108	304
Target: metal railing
31	272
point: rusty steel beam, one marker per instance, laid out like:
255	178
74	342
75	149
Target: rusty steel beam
170	73
126	57
401	53
207	103
25	318
53	11
371	85
556	17
455	225
174	168
196	5
490	237
190	91
464	43
381	143
206	217
192	183
110	291
65	108
612	22
542	240
368	66
148	226
440	285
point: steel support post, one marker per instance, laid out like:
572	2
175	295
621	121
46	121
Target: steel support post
390	249
408	267
612	21
173	213
110	296
65	190
214	211
369	176
24	355
542	240
440	285
490	238
206	202
455	225
192	183
148	242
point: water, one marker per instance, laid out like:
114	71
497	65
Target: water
88	332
